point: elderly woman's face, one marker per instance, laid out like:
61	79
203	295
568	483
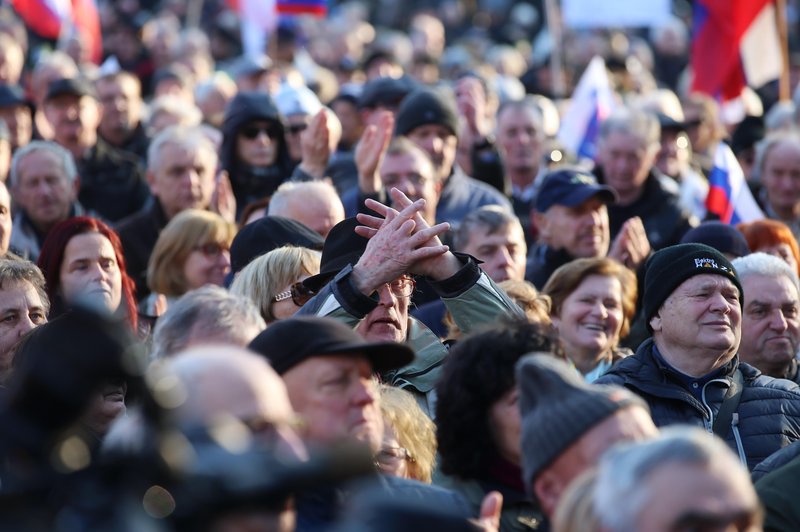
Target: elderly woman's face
591	317
90	272
208	263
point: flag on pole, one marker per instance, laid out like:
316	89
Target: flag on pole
260	18
735	43
591	103
49	18
318	8
729	197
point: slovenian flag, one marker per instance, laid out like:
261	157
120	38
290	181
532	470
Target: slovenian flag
260	18
729	197
318	8
591	103
735	43
49	18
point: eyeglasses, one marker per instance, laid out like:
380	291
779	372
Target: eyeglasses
390	457
298	292
211	249
402	287
252	132
294	130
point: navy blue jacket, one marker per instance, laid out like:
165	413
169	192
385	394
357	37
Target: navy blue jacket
768	414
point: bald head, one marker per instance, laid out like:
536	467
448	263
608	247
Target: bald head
225	383
314	204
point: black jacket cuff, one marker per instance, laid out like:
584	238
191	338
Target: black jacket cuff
462	280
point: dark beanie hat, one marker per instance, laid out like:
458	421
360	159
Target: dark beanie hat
558	407
722	237
667	268
423	107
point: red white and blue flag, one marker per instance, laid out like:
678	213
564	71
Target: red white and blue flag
260	18
592	102
49	18
729	197
735	43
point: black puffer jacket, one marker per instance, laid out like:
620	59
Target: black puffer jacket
251	183
768	412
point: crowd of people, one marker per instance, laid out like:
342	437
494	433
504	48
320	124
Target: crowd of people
354	282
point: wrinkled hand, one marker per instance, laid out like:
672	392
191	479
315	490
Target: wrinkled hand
370	152
396	244
471	101
437	266
491	507
223	202
315	146
631	246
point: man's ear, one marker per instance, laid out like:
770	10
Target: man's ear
151	180
547	488
655	322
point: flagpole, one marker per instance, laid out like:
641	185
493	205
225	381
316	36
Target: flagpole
783	34
553	18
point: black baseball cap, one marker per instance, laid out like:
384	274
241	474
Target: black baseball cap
571	187
287	343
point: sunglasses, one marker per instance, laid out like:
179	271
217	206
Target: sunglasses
252	132
294	130
298	292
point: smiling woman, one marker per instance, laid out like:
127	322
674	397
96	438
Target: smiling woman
593	302
82	262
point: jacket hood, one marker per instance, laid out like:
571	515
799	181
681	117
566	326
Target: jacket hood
246	107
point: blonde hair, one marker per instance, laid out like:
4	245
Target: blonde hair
186	231
265	277
414	430
575	511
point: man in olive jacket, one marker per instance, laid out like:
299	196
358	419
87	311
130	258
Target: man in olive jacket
689	370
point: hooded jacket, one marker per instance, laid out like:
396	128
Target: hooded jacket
251	183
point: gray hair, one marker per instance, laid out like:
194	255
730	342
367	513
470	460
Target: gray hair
220	315
279	203
766	265
765	147
623	471
187	113
70	172
15	270
492	217
526	104
192	138
633	122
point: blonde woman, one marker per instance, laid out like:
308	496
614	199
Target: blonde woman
193	250
274	281
409	437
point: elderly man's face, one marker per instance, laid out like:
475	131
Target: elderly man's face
781	177
770	323
440	144
503	251
337	398
687	496
519	142
581	230
122	105
703	313
626	161
42	188
74	119
21	309
19	122
388	322
184	178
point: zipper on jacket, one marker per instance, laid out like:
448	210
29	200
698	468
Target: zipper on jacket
738	438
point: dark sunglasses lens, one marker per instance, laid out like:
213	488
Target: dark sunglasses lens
301	294
294	130
253	132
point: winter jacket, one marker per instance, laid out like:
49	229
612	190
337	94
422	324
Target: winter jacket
139	234
252	183
767	418
778	494
26	241
472	298
665	221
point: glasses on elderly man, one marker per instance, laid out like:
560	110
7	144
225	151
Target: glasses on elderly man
402	287
298	292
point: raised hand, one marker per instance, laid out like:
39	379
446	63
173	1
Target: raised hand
471	102
397	244
437	266
491	508
315	146
631	245
370	152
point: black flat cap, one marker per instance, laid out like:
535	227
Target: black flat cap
342	247
71	86
287	343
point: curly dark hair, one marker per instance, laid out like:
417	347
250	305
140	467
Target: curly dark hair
477	372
